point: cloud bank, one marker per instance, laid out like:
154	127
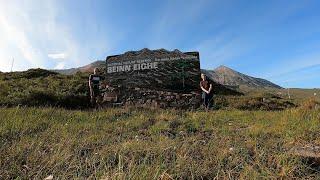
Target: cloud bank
29	30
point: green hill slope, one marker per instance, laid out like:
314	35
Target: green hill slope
38	87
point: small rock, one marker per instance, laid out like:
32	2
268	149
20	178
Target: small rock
165	176
306	151
49	177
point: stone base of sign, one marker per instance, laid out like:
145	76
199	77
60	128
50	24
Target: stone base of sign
147	98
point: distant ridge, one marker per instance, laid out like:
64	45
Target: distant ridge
102	63
229	77
87	68
221	75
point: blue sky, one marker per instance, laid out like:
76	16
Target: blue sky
278	40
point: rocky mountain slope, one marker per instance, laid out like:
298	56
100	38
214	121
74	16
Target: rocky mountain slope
229	77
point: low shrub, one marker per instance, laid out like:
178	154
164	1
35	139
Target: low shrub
310	104
268	102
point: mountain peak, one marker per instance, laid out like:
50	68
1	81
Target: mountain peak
223	67
225	70
227	76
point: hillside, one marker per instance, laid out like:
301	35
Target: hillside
298	94
232	78
39	87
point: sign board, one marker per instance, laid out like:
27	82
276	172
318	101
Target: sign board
159	70
168	78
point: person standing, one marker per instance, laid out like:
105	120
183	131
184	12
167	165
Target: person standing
206	88
94	86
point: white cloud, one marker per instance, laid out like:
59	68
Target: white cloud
14	39
29	31
60	65
57	56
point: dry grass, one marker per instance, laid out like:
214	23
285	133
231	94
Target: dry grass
153	144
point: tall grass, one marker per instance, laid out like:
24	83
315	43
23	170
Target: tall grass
150	144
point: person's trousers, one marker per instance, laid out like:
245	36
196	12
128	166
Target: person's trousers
207	98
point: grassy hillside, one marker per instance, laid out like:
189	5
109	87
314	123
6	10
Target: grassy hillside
38	87
132	144
297	95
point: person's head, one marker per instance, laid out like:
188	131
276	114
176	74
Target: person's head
203	76
95	70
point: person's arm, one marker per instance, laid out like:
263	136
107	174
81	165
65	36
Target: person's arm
90	85
210	88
